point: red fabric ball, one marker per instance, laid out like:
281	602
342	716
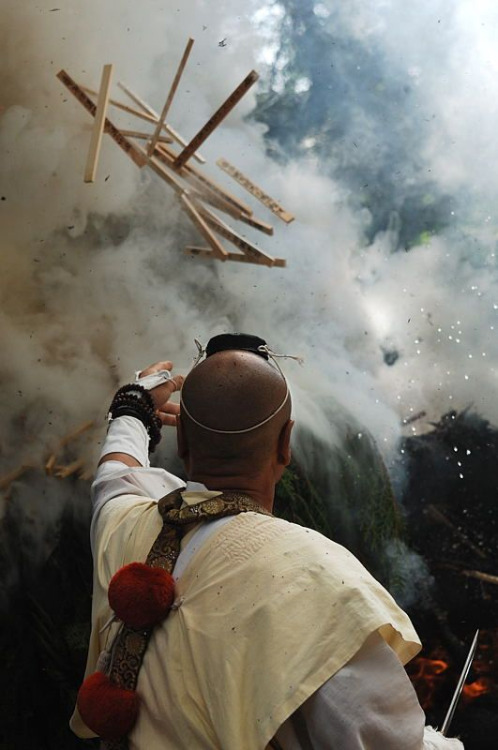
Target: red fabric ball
108	710
141	596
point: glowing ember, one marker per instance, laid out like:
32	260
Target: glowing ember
477	688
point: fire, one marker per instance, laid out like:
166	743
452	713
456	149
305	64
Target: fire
426	676
477	688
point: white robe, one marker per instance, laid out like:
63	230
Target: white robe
354	693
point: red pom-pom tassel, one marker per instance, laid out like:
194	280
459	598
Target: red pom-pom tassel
108	710
141	596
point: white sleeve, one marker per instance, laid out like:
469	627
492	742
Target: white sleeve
370	703
114	478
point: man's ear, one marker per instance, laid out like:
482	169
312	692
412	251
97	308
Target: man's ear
181	441
284	450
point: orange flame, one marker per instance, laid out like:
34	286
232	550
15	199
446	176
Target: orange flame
477	688
426	674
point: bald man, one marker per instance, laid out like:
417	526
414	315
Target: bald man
278	637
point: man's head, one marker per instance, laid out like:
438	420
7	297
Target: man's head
235	417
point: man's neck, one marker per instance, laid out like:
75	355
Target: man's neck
258	488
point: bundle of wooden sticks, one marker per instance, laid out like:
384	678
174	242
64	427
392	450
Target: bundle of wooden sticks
170	156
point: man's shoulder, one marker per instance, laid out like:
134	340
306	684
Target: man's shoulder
270	542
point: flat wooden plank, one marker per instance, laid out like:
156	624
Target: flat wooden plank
129	148
256	191
152	113
170	97
227	232
216	119
203	228
98	124
205	252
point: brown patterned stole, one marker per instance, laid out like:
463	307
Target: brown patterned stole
130	644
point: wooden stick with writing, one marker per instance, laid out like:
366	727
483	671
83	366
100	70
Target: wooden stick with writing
218	249
261	196
98	124
225	231
205	252
128	147
215	120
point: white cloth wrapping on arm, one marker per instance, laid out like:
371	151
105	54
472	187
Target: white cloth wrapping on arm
435	741
114	478
369	703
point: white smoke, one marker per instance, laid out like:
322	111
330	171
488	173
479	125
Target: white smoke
95	283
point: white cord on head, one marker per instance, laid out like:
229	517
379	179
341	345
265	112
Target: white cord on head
264	349
236	432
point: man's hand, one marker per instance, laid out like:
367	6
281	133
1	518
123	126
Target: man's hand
166	411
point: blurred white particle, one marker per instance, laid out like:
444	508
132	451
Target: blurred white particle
466	377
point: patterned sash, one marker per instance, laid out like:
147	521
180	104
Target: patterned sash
130	644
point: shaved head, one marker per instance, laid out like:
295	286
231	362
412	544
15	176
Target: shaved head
234	391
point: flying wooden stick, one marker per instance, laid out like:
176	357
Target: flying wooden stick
218	249
215	120
219	226
109	128
170	96
205	252
261	196
98	124
152	113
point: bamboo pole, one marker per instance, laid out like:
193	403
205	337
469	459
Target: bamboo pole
98	124
216	119
169	98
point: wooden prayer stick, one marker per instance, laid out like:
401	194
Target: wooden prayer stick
62	472
109	128
50	464
124	107
225	231
262	226
203	228
165	174
197	177
146	136
98	124
141	103
170	96
215	120
246	183
205	252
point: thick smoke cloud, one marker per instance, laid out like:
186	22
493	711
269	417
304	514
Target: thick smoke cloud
391	292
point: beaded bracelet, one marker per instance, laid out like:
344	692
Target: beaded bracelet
135	401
